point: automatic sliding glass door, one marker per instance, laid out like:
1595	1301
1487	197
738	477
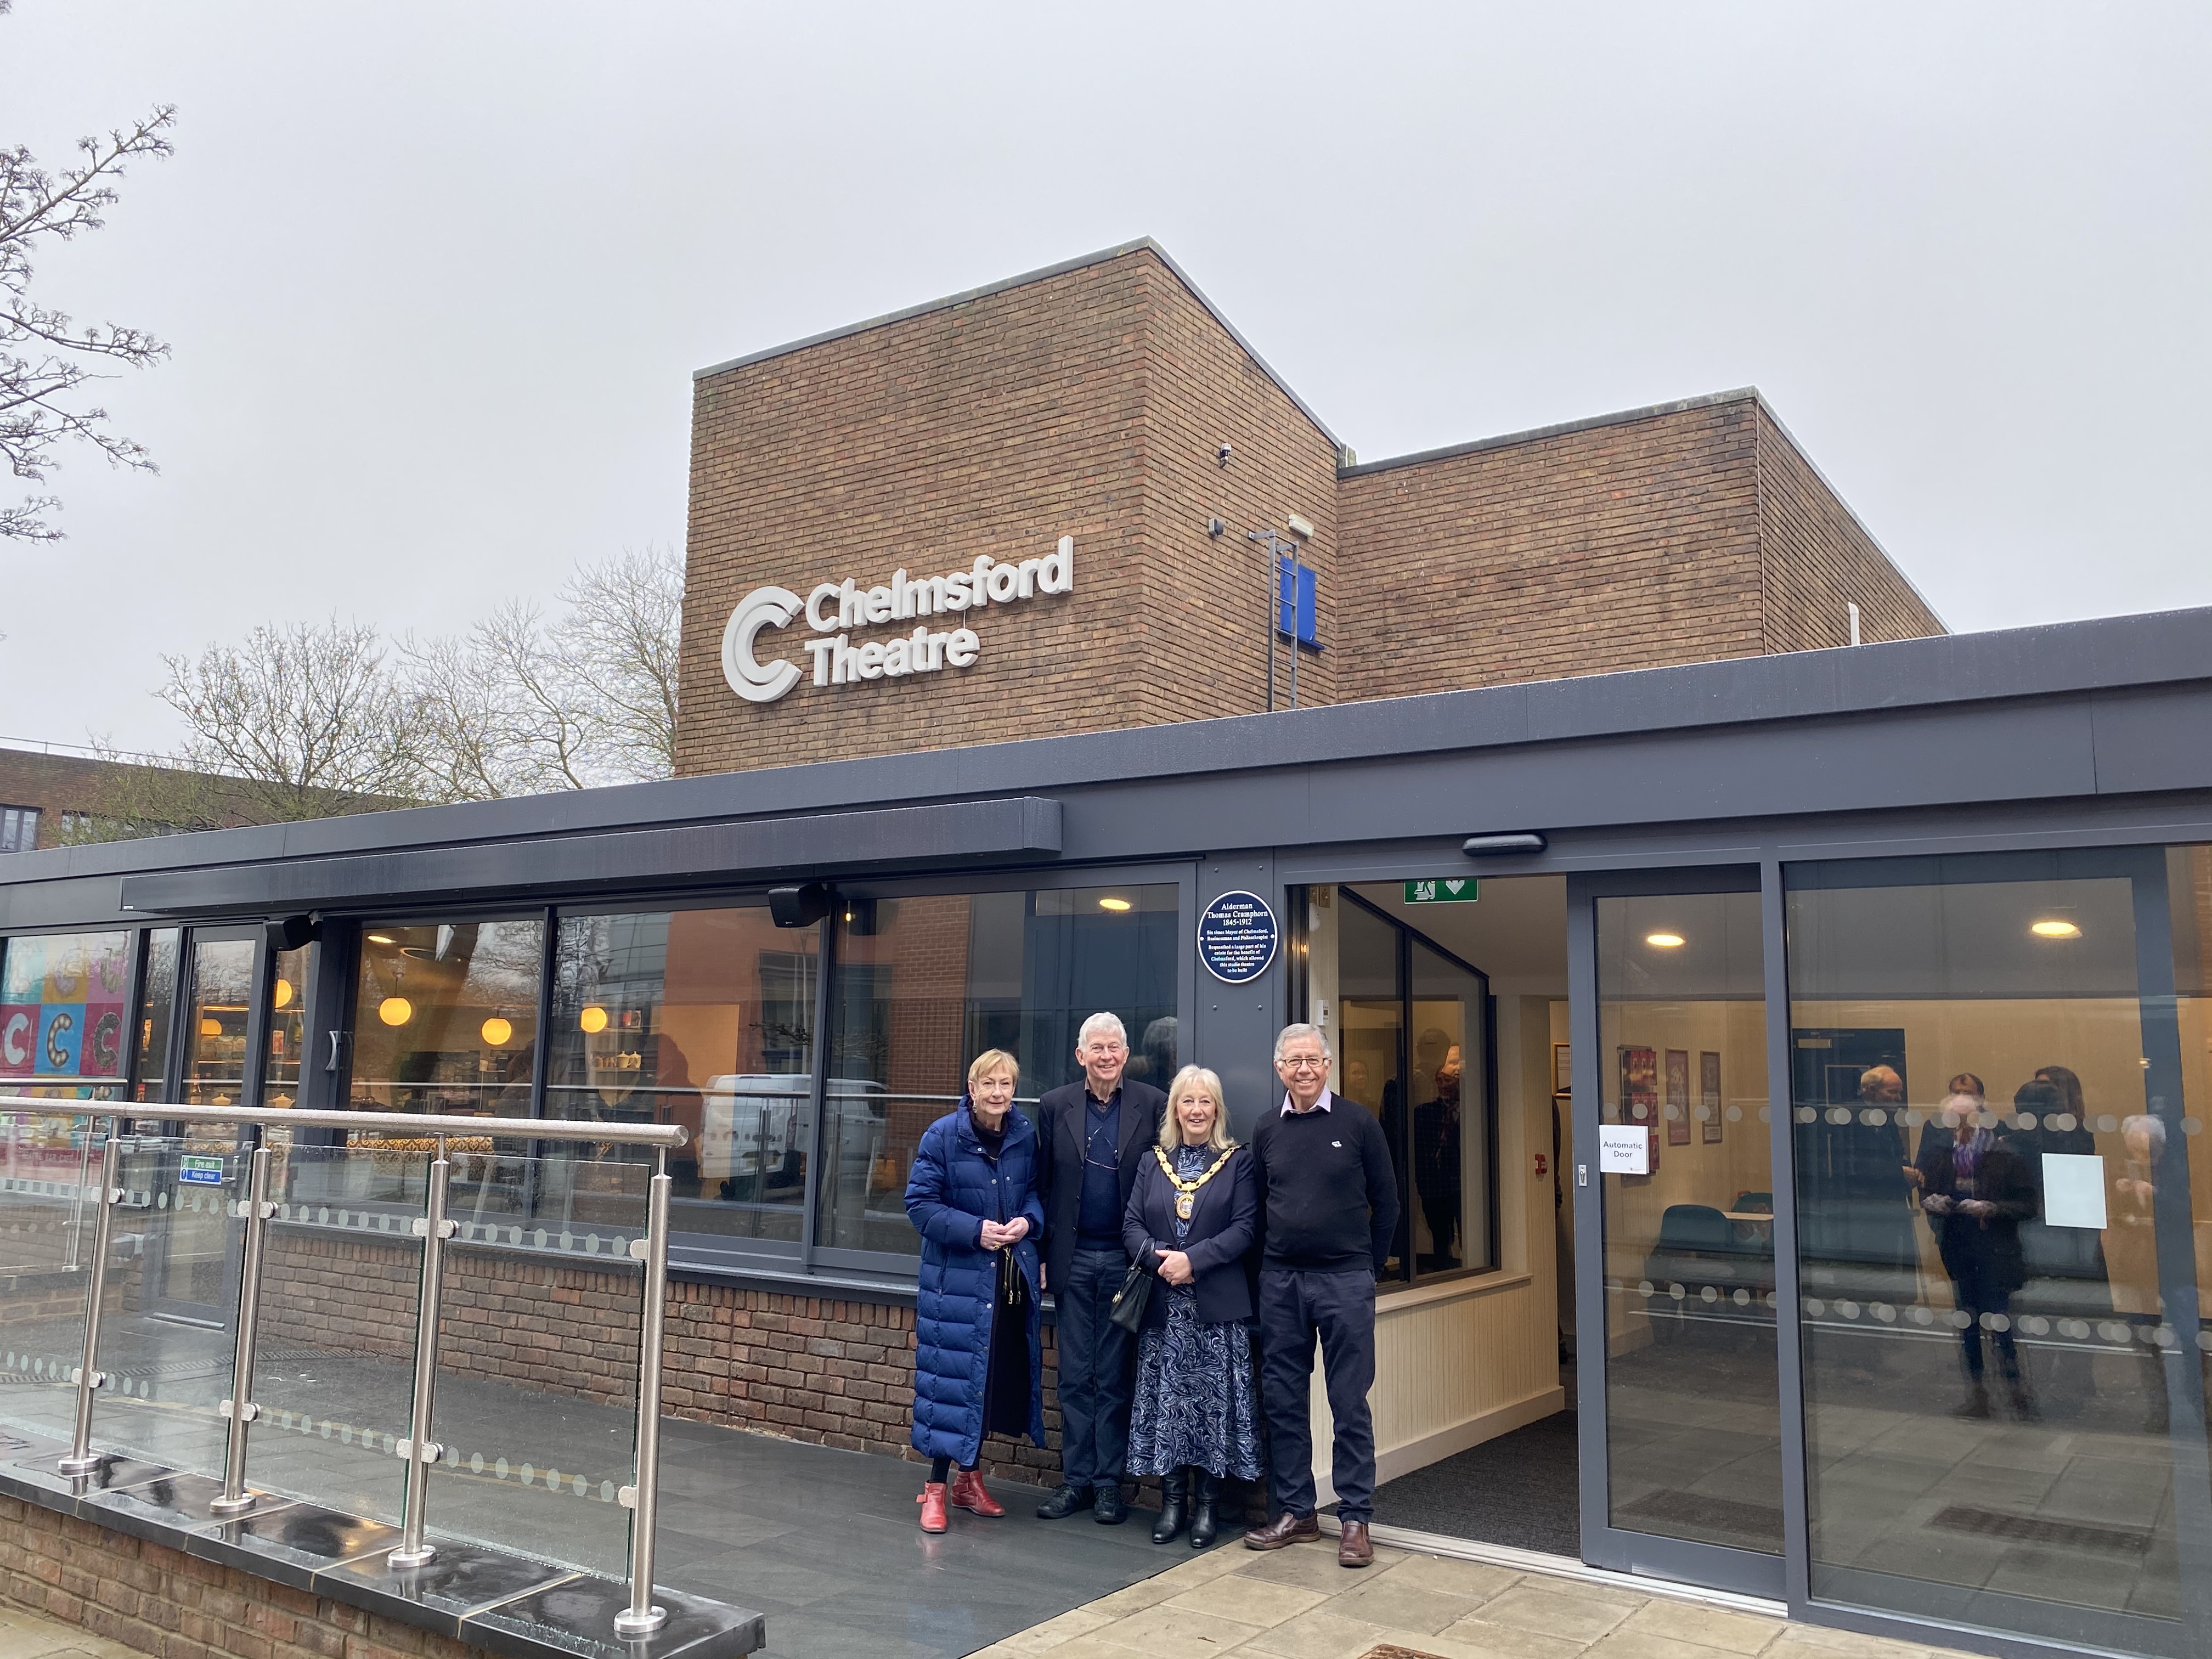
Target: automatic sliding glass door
1681	1407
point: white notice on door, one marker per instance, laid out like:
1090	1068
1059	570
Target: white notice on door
2073	1190
1624	1149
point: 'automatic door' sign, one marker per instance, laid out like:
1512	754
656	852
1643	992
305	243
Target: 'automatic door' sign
833	609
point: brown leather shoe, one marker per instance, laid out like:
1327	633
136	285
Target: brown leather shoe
1285	1529
1354	1548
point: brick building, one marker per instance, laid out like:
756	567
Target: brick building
1723	917
1092	401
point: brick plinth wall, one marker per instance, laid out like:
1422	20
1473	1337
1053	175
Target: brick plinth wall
162	1601
828	1370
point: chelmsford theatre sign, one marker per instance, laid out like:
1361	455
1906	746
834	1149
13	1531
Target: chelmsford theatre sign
834	610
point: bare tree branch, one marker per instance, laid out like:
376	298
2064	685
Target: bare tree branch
41	350
619	643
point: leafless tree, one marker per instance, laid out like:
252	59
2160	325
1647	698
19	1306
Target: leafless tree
497	712
313	720
45	359
619	642
308	719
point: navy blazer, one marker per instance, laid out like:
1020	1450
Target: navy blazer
1060	1162
1222	1223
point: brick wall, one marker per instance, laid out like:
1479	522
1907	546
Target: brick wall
1818	560
828	1370
1091	401
162	1601
1089	404
1631	544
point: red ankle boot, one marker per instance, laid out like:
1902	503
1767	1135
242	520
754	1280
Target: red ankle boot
967	1494
932	1506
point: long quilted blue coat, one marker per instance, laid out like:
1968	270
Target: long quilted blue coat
955	1186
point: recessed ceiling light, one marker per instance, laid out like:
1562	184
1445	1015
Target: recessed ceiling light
1113	904
1663	941
2054	930
382	938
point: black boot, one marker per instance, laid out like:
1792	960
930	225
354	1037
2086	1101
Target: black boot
1205	1496
1175	1489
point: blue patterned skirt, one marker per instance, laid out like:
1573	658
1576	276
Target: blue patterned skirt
1195	1403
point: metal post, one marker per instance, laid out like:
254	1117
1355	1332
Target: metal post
642	1618
418	1449
79	1460
240	1407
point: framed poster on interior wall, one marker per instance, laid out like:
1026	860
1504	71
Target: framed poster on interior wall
1678	1096
1563	1069
1639	1093
1709	1092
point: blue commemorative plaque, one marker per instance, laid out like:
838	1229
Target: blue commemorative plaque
1236	938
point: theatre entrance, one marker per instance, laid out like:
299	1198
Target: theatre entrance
1536	1389
1446	1007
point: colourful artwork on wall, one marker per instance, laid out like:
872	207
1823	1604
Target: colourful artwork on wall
1678	1096
1639	1093
1709	1092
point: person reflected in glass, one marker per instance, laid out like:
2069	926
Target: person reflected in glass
2132	1236
1977	1191
1190	1222
979	1359
1437	1161
2065	1266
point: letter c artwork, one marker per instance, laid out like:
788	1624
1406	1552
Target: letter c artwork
749	677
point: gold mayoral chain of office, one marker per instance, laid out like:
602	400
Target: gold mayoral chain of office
1187	1191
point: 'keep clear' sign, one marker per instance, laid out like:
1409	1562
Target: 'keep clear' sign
1624	1149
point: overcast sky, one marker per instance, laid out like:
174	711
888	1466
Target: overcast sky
437	276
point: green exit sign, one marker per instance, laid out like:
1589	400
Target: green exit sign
1464	890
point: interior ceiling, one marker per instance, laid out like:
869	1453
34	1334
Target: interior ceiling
1516	932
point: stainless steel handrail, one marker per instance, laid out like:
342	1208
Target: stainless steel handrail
670	1135
642	1617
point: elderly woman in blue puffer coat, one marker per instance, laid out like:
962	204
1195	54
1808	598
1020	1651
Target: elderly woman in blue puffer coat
979	1359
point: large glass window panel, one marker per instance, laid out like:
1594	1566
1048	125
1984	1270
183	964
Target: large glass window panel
157	1006
701	1018
446	1017
922	983
1999	1233
215	1029
1371	1034
64	1008
287	1015
1693	1409
1448	1203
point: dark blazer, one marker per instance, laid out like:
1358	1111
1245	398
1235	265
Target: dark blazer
1991	1243
1059	1171
1222	1223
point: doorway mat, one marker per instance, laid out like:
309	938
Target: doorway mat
1522	1489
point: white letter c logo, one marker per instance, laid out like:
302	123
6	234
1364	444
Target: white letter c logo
751	679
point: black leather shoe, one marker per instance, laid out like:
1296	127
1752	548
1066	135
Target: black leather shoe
1205	1495
1174	1491
1064	1503
1112	1508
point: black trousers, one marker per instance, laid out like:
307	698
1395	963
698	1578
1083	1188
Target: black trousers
1295	1307
1097	1373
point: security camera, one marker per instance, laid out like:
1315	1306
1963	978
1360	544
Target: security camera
1222	454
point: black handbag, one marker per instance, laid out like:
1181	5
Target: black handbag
1013	1284
1132	1299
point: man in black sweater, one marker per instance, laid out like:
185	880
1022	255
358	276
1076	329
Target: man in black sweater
1328	1204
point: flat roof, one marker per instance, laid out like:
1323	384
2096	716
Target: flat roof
1122	250
2135	654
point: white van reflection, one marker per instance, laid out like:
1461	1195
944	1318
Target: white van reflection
756	1128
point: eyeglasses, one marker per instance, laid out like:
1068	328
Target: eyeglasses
1303	1063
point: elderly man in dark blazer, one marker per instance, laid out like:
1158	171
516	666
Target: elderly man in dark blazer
1096	1135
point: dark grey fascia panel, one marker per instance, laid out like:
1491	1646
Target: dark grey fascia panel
965	833
2149	677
